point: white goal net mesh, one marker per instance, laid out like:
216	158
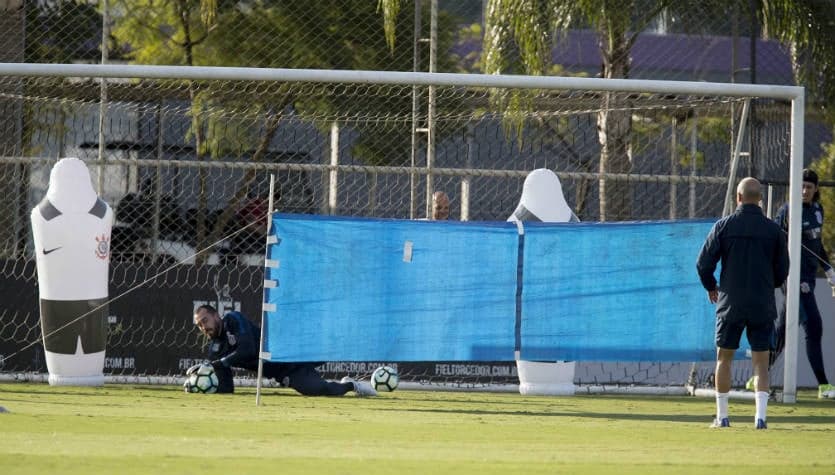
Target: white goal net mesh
185	164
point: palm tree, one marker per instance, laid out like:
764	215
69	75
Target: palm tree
191	23
520	34
531	28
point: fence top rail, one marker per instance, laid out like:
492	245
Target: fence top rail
400	78
378	169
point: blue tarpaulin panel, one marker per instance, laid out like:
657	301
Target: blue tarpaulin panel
391	290
358	289
615	292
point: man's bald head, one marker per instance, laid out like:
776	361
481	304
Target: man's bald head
748	191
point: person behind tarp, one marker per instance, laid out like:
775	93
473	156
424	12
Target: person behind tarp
234	344
812	254
440	206
755	261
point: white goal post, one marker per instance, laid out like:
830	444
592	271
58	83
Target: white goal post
794	95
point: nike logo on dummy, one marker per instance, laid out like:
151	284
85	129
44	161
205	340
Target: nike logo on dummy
45	252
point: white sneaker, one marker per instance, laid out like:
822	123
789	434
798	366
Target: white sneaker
720	423
361	388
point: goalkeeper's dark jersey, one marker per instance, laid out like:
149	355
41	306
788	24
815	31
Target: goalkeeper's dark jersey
812	253
237	345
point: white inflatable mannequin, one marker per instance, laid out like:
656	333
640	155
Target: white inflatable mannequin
542	200
71	229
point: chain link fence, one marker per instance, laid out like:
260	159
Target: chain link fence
186	164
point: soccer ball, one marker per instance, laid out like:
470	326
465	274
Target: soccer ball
385	378
203	381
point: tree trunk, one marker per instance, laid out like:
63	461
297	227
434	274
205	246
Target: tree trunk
270	127
184	14
586	164
614	130
582	190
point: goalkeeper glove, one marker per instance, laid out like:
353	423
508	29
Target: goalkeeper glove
804	288
830	276
225	378
193	369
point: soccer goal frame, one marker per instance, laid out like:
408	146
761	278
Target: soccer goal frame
792	94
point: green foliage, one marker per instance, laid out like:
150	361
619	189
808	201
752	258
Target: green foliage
471	61
650	125
471	32
310	34
519	36
825	167
715	129
686	156
515	106
711	129
808	28
390	9
233	123
161	32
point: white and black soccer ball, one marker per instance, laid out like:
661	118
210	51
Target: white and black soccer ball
385	378
203	380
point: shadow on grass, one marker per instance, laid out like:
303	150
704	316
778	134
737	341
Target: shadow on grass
624	416
517	399
162	392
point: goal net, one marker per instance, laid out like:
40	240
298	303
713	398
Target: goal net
184	156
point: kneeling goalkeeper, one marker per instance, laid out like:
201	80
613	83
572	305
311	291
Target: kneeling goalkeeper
234	344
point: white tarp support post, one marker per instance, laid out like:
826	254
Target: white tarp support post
264	296
333	176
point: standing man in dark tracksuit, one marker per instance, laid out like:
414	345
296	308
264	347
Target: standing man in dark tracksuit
755	261
235	344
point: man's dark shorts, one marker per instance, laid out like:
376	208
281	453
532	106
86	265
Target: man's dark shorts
729	332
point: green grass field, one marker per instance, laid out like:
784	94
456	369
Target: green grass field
139	429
